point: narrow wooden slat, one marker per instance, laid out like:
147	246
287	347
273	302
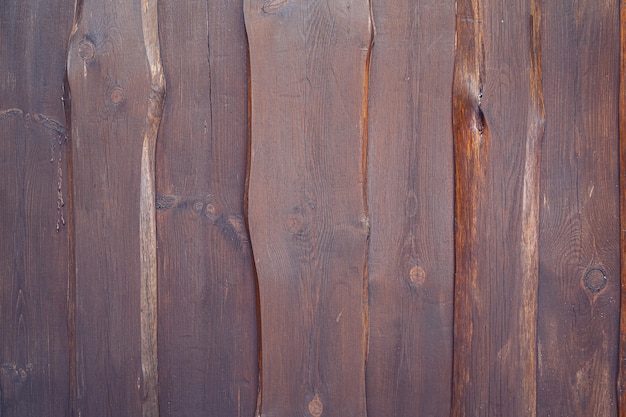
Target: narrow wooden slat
621	388
34	357
410	193
579	258
207	308
116	90
498	125
307	209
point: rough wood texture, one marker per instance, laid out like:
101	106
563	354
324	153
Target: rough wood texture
115	93
34	357
579	257
207	296
621	389
307	206
147	213
498	125
410	193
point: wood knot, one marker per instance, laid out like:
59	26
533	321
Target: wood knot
117	95
295	219
86	50
274	6
316	408
417	275
595	280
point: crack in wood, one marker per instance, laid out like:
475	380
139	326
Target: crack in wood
147	222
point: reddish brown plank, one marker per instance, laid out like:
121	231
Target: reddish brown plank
579	263
498	125
207	308
116	88
34	357
410	193
621	388
307	209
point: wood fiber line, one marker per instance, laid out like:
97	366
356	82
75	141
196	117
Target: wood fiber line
115	86
411	204
147	209
529	257
207	299
307	214
469	134
578	327
621	388
498	120
34	238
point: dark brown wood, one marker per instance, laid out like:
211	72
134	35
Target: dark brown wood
34	353
621	388
117	89
498	125
207	307
579	258
307	206
431	236
410	193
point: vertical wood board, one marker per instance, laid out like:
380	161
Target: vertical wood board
207	307
410	196
307	208
579	257
498	126
34	357
113	73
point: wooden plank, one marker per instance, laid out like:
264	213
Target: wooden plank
34	357
410	193
621	388
579	264
117	89
207	291
498	125
307	208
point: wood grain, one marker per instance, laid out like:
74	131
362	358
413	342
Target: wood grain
147	213
207	291
115	93
307	206
579	241
621	388
498	126
34	353
410	196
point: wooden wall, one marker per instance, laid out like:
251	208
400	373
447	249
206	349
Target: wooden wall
307	208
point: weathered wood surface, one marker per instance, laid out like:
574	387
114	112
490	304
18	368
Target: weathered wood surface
511	110
207	290
307	206
498	126
116	89
621	391
579	259
34	354
410	194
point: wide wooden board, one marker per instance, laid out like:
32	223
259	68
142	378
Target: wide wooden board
579	285
34	350
410	196
307	206
498	125
207	291
116	91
